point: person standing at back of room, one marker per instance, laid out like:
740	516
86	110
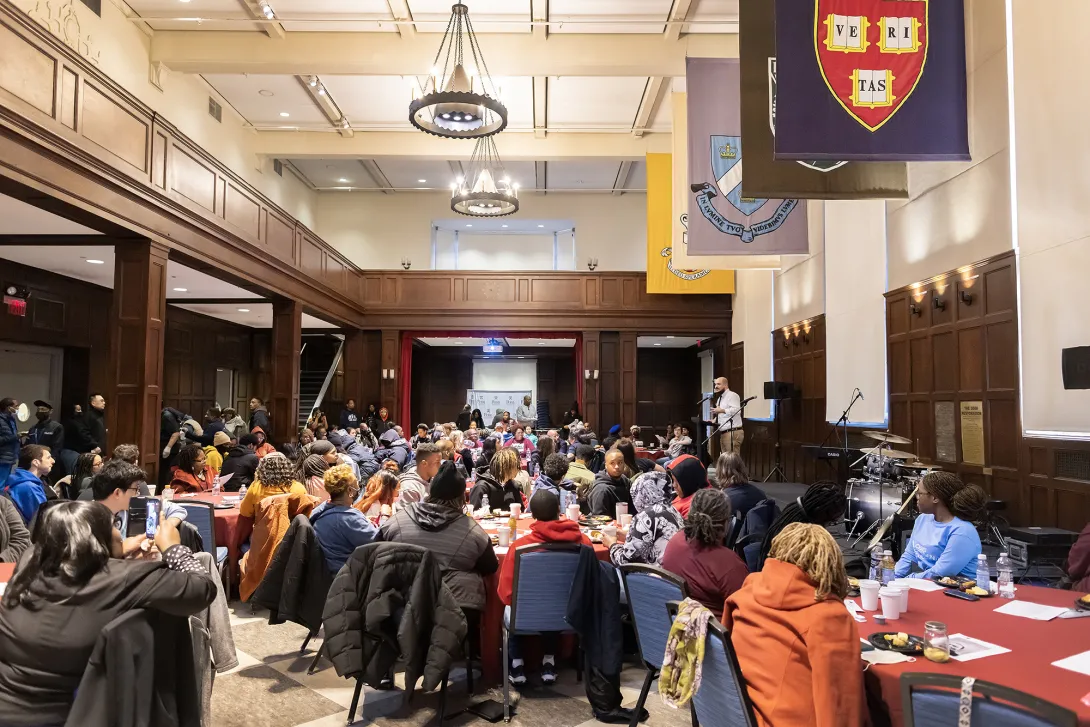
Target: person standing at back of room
9	438
727	410
349	418
259	415
47	431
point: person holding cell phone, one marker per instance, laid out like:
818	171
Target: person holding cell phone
115	486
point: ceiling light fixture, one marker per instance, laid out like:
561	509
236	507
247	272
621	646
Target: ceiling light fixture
243	310
450	107
266	10
503	225
658	344
182	290
487	197
313	81
284	114
421	181
342	180
97	262
541	225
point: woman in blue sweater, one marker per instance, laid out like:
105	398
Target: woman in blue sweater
944	540
340	527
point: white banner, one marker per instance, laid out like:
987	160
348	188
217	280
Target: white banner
489	401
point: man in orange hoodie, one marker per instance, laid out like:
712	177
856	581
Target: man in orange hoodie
796	643
263	447
547	528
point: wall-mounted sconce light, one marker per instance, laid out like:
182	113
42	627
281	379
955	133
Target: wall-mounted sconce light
786	340
595	374
938	303
806	338
384	374
795	341
586	374
966	297
406	263
592	263
915	309
392	373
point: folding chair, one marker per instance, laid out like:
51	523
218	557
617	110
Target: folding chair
543	577
649	589
933	699
722	700
203	516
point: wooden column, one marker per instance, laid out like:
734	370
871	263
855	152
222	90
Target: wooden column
283	403
362	372
136	353
628	380
389	382
591	362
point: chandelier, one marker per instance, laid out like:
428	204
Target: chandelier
450	106
486	190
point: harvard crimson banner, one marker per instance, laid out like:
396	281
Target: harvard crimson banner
814	179
723	221
871	80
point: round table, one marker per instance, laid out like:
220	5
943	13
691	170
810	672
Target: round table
230	532
1033	645
492	618
652	454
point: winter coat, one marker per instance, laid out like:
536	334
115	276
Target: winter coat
87	431
391	446
241	464
462	549
9	440
297	580
236	427
14	536
564	490
389	604
265	447
594	612
259	417
48	433
606	492
363	456
800	656
541	531
271	522
500	497
27	492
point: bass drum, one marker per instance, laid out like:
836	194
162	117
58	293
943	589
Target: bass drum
874	501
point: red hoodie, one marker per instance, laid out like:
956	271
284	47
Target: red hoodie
542	531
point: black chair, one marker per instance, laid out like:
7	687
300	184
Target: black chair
649	588
202	515
934	699
722	700
753	530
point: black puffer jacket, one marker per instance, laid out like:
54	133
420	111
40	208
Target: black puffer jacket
391	446
297	580
363	456
389	602
500	497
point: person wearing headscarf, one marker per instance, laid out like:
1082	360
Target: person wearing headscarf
313	468
711	570
795	642
275	476
655	522
690	477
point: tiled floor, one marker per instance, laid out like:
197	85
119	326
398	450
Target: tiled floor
270	687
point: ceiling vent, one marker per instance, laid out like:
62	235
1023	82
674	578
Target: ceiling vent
215	110
278	167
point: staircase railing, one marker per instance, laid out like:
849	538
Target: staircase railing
328	377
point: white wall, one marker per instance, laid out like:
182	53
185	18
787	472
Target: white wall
800	283
959	212
183	102
751	324
376	230
506	375
855	320
1053	214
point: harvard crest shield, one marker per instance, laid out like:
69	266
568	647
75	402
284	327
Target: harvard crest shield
871	54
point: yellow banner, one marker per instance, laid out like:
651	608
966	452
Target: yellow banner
662	275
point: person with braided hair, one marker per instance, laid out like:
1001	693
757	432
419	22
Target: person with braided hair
822	503
795	641
944	540
711	570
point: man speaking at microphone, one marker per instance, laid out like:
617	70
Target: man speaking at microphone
726	408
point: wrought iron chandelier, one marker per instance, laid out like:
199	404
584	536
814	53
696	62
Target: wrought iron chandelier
486	190
450	106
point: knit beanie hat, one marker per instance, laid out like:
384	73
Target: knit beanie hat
689	474
315	465
275	469
448	483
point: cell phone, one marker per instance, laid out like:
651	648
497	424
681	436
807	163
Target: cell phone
955	593
151	523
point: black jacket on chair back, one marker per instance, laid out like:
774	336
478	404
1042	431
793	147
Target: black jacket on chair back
389	602
296	583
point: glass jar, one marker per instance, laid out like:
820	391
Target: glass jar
936	644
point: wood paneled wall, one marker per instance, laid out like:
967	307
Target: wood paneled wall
944	350
1056	483
668	386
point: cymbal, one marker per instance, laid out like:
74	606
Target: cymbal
887	437
919	466
888	453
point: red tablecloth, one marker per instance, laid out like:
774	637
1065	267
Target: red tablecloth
7	570
229	531
1033	645
650	453
492	618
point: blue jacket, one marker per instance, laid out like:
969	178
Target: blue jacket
9	439
210	430
362	456
391	446
26	491
340	530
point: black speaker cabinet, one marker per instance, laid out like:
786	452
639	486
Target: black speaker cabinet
779	390
1076	367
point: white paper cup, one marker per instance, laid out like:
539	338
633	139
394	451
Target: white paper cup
610	530
622	509
891	603
868	593
151	490
573	512
626	521
504	535
516	510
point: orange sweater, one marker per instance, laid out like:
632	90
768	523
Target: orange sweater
800	657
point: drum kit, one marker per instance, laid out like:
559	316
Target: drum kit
888	486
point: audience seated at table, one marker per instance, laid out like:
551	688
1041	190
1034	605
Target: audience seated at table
340	527
654	524
546	528
633	465
28	485
378	499
87	465
393	446
732	477
275	476
578	472
439	523
14	537
215	452
689	478
498	483
520	443
711	570
423	434
553	478
413	483
191	472
822	503
114	487
797	645
944	540
610	487
485	454
67	590
241	463
311	473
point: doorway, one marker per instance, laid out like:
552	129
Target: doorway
32	373
225	388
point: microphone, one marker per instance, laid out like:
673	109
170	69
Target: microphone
706	398
860	394
747	400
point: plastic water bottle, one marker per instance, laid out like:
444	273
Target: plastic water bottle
1004	577
485	505
875	573
983	576
242	492
216	486
888	566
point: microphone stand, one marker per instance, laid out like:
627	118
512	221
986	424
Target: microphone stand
741	408
843	468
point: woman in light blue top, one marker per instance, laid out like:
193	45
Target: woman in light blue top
340	527
944	540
